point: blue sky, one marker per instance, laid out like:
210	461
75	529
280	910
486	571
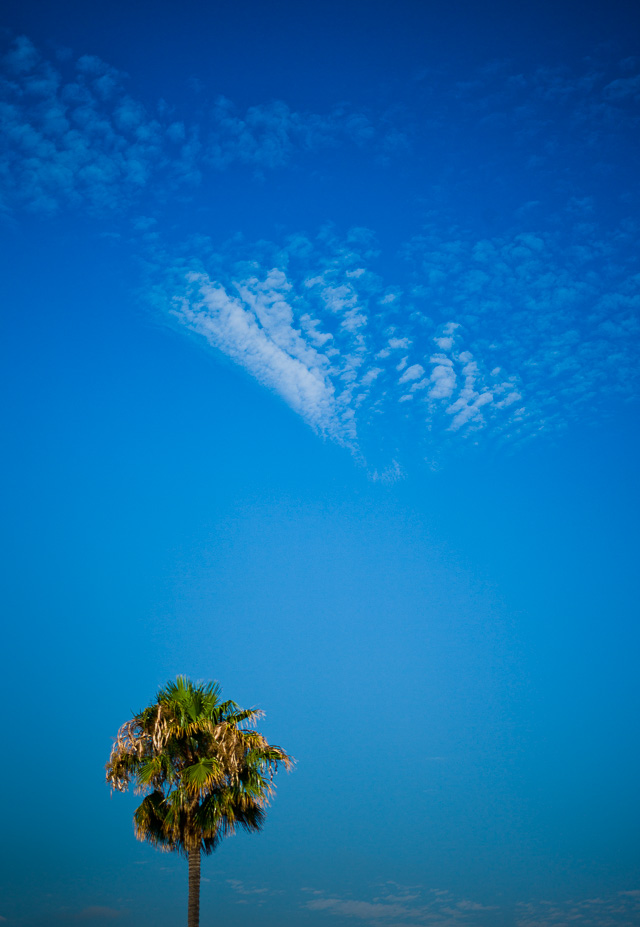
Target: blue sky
320	366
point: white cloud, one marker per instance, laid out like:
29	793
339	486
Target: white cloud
256	330
412	373
372	374
467	408
444	382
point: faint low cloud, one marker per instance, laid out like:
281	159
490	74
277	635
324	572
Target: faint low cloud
399	906
241	888
619	910
623	88
97	913
407	906
365	910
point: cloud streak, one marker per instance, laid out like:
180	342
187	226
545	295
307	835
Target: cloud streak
255	328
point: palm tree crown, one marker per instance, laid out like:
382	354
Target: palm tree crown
202	769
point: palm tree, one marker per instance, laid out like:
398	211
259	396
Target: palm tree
202	769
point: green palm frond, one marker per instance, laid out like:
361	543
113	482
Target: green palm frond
202	767
150	823
203	775
156	769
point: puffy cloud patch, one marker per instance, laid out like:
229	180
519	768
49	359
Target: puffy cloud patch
71	134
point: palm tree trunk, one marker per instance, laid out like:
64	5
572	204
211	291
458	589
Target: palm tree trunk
194	888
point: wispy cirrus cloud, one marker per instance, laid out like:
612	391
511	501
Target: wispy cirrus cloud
253	324
71	134
294	318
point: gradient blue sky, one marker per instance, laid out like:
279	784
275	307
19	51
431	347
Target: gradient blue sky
320	373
